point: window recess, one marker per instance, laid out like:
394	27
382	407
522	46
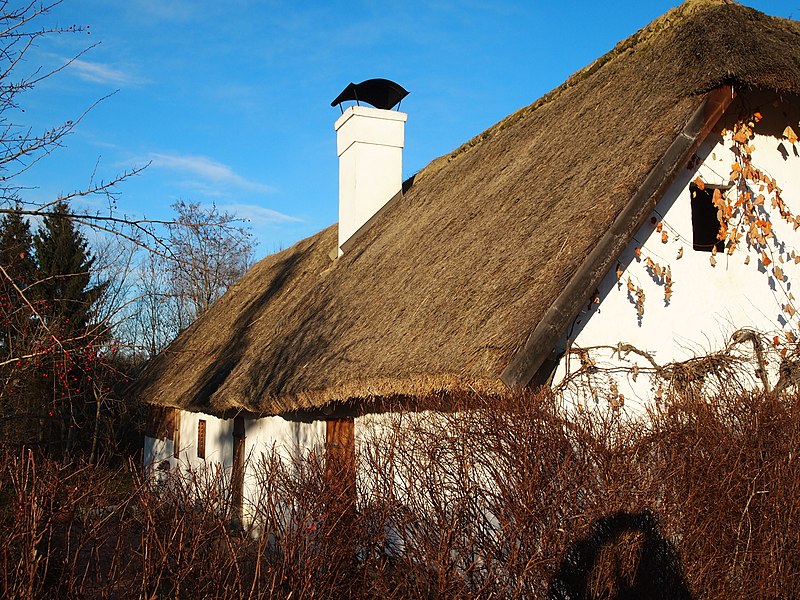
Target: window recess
705	222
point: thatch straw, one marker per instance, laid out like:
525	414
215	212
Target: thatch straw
450	281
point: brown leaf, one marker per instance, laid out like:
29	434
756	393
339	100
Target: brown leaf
680	252
741	136
640	301
699	183
664	237
789	134
713	261
778	272
765	260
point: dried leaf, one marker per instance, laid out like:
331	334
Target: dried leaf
631	287
680	252
778	272
713	261
659	227
789	310
790	337
699	183
742	135
765	260
619	271
747	259
757	116
776	341
664	237
789	134
635	372
638	252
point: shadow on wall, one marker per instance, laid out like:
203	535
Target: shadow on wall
623	557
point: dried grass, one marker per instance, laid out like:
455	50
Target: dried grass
509	501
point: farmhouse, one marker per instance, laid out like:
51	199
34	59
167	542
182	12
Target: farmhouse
644	212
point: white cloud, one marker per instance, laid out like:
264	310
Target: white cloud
207	170
258	214
103	73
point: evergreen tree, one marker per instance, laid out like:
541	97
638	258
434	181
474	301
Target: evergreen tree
65	265
18	274
18	332
65	305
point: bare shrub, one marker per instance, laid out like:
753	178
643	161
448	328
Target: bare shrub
502	498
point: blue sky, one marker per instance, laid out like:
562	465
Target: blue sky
229	102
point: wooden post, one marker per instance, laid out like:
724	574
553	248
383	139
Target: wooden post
237	474
340	472
176	434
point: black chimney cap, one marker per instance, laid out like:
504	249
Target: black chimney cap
380	93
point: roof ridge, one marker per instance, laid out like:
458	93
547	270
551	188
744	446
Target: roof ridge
670	19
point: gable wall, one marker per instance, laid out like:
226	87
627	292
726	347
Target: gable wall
708	303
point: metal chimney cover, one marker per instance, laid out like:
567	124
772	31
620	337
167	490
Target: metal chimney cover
380	93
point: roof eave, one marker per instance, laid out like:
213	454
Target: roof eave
525	364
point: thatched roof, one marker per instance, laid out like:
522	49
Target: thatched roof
444	290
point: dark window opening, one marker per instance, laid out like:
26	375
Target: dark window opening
705	224
201	439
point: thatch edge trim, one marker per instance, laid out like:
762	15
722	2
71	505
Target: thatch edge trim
527	361
322	402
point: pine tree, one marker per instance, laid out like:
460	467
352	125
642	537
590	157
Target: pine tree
18	332
65	265
65	305
18	274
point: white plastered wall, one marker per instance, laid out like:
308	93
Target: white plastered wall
708	303
275	436
287	439
219	444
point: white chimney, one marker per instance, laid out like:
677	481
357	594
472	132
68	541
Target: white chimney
369	142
